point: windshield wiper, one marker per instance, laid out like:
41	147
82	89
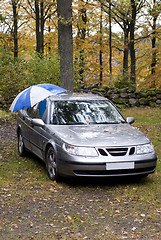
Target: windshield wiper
77	123
105	122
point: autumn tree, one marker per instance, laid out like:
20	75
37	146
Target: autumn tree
131	44
65	42
81	35
124	13
99	51
110	37
101	48
40	11
15	26
120	12
155	15
88	40
11	23
154	10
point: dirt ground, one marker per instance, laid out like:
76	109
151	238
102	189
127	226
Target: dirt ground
33	207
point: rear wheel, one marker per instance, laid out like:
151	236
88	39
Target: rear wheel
51	164
21	146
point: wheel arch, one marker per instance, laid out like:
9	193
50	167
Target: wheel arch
18	129
47	146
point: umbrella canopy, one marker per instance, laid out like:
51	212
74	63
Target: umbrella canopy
34	94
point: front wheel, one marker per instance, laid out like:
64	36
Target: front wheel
51	164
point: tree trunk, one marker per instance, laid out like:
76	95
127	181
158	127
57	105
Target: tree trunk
132	48
42	28
49	43
82	36
154	42
100	54
38	37
15	15
110	40
65	42
126	49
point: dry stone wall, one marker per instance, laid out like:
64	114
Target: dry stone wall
131	97
124	97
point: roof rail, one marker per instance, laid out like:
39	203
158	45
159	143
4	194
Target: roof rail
90	91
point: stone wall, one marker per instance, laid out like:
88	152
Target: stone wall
124	97
131	97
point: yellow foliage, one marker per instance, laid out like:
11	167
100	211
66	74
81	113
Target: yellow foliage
86	47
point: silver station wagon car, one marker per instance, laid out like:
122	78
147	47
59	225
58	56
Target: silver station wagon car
84	135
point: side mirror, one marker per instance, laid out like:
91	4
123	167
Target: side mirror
130	120
37	122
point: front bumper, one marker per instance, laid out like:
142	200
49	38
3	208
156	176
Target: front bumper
96	167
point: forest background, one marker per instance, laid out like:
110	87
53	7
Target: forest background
115	43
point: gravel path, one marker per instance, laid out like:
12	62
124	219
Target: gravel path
7	131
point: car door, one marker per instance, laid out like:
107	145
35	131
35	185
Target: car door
24	124
38	134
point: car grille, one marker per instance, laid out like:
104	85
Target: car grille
116	151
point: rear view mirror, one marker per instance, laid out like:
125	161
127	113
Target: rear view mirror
130	120
37	122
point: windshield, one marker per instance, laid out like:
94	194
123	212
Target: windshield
84	112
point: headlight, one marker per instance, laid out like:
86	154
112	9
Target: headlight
143	149
80	151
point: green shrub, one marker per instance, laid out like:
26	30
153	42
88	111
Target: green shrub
43	70
122	81
16	75
11	76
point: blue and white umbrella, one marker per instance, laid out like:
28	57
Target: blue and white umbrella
34	94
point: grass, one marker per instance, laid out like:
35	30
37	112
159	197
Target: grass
33	207
6	116
148	120
144	115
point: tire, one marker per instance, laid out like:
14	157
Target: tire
51	165
21	146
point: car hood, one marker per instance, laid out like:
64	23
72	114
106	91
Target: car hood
99	135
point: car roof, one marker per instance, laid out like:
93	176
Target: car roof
76	96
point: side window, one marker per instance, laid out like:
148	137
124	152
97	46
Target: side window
33	112
38	111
